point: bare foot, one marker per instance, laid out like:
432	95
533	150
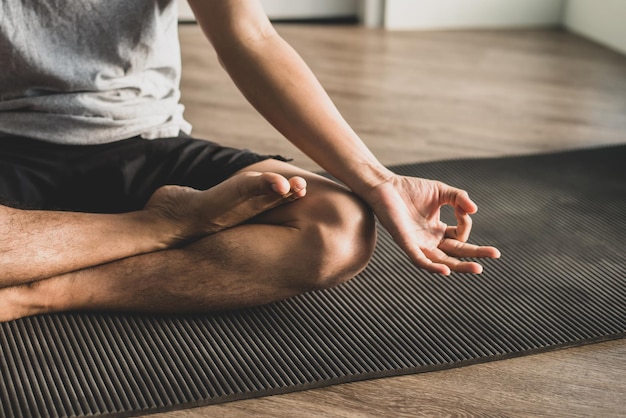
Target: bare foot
15	302
196	213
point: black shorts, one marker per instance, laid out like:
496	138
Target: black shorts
110	178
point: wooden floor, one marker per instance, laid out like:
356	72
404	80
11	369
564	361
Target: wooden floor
418	96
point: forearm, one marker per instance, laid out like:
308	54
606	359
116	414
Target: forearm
283	89
41	244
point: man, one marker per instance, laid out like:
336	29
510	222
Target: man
108	205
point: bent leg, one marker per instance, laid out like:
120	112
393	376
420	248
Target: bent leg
29	239
315	242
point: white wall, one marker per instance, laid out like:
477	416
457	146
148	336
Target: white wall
293	9
371	13
184	11
308	9
455	14
601	20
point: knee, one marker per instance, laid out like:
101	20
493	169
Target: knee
342	236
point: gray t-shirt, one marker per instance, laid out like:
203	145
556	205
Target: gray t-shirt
89	71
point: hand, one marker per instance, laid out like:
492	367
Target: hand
409	208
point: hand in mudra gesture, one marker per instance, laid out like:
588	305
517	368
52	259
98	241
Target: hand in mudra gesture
409	208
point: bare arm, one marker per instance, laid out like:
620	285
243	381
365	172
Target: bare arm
283	89
279	84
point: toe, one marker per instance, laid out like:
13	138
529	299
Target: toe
298	187
271	182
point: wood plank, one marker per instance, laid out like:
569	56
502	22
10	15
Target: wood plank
417	96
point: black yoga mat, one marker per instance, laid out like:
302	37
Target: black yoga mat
559	219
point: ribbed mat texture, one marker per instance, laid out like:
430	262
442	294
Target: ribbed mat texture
559	220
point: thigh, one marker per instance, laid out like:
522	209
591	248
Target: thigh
31	173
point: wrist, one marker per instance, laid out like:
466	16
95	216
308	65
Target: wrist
155	230
369	176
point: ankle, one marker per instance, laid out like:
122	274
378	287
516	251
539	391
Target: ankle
20	301
164	216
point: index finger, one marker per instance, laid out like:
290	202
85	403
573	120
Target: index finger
461	231
457	198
